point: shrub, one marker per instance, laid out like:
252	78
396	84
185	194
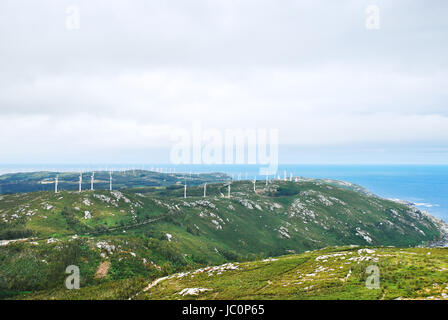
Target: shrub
15	233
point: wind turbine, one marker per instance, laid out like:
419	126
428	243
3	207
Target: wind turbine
110	180
205	189
56	184
255	181
228	193
290	176
92	177
185	190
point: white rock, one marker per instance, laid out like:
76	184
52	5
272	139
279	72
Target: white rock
192	291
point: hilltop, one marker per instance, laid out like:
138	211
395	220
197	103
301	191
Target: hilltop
150	232
329	273
44	180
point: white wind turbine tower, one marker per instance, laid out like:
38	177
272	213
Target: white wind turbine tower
255	181
110	180
205	189
228	192
266	179
91	180
185	190
284	175
56	184
290	176
80	181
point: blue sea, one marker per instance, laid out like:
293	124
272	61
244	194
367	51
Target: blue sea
424	185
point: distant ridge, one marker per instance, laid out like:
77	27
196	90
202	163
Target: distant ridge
44	180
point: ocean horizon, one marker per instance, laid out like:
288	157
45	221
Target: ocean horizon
424	185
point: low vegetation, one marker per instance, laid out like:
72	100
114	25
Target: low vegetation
122	240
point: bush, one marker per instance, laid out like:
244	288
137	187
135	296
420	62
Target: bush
167	250
229	255
100	229
193	231
15	233
287	190
73	222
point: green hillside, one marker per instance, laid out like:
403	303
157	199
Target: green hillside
330	273
120	238
44	180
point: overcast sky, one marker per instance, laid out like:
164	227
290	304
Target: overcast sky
113	90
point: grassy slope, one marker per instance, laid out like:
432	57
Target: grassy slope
331	273
281	218
325	274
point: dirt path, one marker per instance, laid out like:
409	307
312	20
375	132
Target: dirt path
102	270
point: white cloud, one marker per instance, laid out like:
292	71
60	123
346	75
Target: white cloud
137	70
